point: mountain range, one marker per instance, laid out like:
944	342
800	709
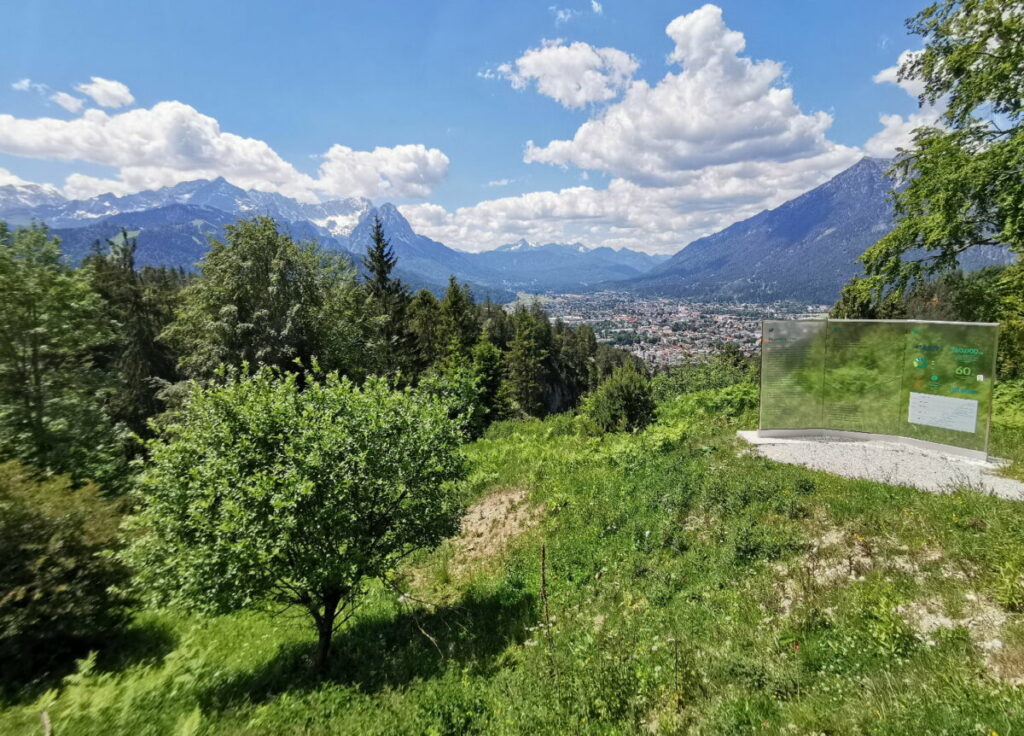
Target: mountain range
803	250
174	225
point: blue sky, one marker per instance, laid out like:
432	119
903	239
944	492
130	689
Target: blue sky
431	105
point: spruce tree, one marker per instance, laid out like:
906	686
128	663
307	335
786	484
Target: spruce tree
526	359
460	321
139	359
392	345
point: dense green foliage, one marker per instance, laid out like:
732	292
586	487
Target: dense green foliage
141	304
53	412
390	343
724	368
960	183
55	597
623	403
258	492
262	299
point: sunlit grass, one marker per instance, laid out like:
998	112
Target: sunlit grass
690	589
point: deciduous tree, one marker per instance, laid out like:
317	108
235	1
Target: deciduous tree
259	493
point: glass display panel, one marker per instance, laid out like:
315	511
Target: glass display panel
863	372
792	365
949	369
926	380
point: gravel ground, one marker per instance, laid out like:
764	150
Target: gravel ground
889	462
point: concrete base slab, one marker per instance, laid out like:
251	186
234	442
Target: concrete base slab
889	462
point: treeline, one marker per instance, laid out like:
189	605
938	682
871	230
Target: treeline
293	398
990	294
89	356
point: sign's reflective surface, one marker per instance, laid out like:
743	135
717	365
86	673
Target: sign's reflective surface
927	380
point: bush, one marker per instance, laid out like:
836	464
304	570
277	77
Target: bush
55	580
719	371
260	493
622	403
730	402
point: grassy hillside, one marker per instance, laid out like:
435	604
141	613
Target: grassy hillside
686	587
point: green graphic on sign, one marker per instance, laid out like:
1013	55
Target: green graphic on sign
926	380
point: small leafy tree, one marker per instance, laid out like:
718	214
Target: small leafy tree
623	403
261	494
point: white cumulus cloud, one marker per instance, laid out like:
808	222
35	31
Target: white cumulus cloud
68	102
626	214
596	7
890	75
571	74
720	109
715	141
403	171
898	130
173	142
106	92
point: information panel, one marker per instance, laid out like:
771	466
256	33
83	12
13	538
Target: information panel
792	372
926	380
951	367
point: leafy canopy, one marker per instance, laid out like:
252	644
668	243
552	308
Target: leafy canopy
264	299
259	493
52	397
963	183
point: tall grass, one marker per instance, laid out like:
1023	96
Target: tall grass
691	588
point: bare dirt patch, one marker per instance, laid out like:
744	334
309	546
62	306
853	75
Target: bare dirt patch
984	622
837	557
490	525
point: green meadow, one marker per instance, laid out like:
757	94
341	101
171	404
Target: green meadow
666	581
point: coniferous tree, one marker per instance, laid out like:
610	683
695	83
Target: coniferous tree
489	365
424	318
138	358
525	364
53	412
496	324
391	344
460	322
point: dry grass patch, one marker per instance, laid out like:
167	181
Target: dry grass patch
489	527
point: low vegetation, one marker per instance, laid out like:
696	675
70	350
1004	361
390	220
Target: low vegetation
661	581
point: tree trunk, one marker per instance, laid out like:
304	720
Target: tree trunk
323	652
325	630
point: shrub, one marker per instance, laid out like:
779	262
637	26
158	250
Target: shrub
55	581
622	403
719	371
729	402
259	493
